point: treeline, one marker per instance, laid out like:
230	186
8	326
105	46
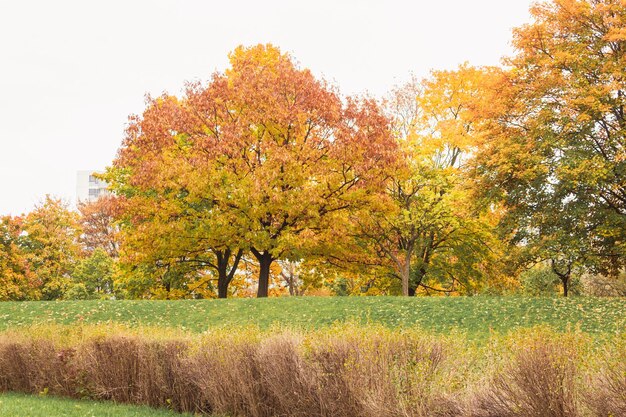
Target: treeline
53	252
482	179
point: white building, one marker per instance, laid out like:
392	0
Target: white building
88	187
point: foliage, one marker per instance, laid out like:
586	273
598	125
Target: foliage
264	158
97	220
17	281
541	280
265	179
50	244
95	274
343	370
601	286
426	227
78	291
553	150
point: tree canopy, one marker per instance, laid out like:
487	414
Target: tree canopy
262	159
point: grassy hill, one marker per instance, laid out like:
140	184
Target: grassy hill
476	316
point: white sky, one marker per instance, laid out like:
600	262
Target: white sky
72	71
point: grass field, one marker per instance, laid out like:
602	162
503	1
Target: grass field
476	316
84	325
18	405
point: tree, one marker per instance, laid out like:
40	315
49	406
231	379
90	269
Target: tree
185	241
50	243
96	273
430	231
17	281
265	153
97	220
554	148
301	277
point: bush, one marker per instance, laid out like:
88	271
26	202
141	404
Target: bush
79	292
346	371
540	380
607	396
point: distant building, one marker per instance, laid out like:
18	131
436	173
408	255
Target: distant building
89	188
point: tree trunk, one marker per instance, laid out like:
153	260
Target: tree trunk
264	276
565	281
224	276
291	286
222	284
406	276
563	276
265	261
413	288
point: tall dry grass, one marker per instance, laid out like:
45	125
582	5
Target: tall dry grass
539	379
343	372
606	395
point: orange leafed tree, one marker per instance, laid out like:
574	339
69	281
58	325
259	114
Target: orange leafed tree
97	219
17	281
265	158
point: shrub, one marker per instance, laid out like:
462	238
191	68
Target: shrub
540	380
607	393
346	371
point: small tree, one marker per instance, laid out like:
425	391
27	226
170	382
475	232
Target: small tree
50	242
96	274
17	280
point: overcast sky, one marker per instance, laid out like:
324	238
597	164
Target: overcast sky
72	71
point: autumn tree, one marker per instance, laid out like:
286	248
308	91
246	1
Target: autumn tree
186	242
97	220
301	277
263	158
17	281
433	235
50	244
554	146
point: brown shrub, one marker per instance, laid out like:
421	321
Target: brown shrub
288	384
382	374
540	381
132	370
341	372
226	376
607	393
336	376
35	366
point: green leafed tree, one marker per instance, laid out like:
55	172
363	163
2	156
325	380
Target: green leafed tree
554	149
95	274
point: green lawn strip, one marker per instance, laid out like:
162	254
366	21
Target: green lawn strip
20	405
477	316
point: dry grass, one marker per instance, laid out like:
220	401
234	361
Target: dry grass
342	372
607	393
540	379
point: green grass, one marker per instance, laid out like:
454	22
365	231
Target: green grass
19	405
477	316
